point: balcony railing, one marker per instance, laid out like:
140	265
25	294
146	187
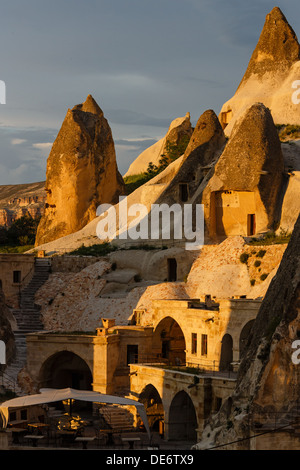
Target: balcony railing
211	368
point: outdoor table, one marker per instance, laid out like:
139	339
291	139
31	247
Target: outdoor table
34	438
84	440
15	434
38	426
131	440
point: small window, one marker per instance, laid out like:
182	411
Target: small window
12	416
24	414
204	345
172	270
251	226
194	343
17	277
132	354
183	192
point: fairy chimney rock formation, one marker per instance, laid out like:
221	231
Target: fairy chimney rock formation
242	195
272	69
204	148
179	128
81	172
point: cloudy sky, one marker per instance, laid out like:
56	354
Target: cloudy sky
146	62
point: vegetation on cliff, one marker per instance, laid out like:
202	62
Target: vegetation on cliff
171	153
20	236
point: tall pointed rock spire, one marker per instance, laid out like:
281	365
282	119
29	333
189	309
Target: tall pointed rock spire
277	48
82	172
273	67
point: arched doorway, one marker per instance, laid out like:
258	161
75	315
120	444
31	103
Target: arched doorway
245	335
226	353
169	342
153	406
182	418
66	369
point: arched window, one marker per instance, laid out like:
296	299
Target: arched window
245	335
226	353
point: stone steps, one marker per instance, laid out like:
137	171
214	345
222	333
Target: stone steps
117	418
28	319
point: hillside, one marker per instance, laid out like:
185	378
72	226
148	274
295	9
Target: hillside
17	200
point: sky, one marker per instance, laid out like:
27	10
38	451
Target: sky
146	62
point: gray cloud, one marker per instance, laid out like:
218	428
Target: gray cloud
23	156
145	63
127	117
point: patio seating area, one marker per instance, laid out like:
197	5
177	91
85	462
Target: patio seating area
73	419
74	432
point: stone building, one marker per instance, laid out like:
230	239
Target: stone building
15	272
186	356
242	196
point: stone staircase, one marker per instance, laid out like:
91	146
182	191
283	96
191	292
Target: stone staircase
116	417
28	320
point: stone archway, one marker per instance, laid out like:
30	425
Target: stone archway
182	418
65	369
244	336
226	353
153	406
169	341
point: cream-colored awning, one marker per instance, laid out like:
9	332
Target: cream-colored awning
49	395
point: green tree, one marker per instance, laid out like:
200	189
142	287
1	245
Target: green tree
23	231
171	153
3	236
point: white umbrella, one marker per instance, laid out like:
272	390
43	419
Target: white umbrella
49	395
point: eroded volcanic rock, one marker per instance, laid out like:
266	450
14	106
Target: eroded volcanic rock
203	150
81	172
277	49
268	378
17	200
272	69
247	177
179	128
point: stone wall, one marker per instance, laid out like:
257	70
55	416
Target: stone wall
226	317
9	263
170	383
72	264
